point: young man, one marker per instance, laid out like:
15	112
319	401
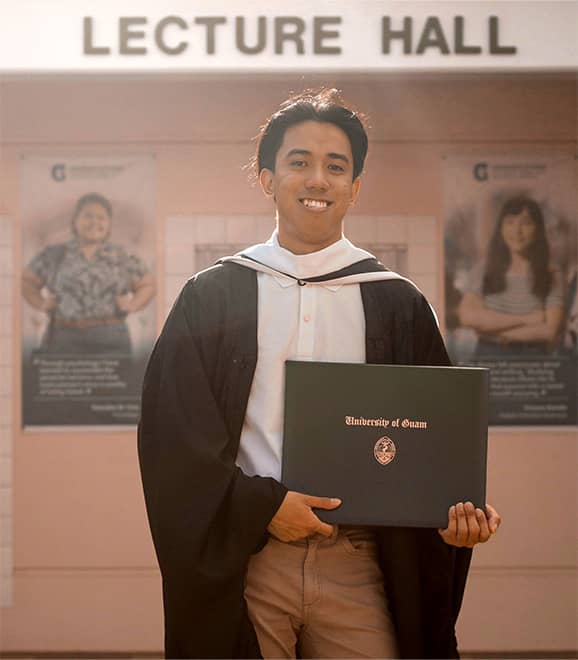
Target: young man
248	568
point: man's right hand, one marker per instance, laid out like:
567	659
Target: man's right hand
295	519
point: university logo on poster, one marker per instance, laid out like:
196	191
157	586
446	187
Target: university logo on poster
510	281
88	288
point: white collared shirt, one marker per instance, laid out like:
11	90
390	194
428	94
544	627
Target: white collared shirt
311	322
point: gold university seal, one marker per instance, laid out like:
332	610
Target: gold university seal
384	450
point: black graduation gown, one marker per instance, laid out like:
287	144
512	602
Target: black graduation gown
207	517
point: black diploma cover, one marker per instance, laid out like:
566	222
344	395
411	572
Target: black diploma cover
397	444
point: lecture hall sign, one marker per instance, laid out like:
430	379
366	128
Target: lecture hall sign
368	36
287	35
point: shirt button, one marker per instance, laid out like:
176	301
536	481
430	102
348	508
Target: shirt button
307	318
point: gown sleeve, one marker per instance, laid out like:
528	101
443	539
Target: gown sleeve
429	349
428	345
424	577
206	515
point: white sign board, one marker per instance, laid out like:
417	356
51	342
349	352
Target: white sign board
148	36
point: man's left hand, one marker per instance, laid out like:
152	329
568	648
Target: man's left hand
468	525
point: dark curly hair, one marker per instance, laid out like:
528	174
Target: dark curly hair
322	105
90	198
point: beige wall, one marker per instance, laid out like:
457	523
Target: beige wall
84	573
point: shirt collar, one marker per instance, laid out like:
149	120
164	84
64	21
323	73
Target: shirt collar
334	257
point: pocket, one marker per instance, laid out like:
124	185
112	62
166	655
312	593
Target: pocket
359	543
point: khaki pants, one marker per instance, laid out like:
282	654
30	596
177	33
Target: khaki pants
320	598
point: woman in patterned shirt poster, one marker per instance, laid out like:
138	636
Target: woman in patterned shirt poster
88	293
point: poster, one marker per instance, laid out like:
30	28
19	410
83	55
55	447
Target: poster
88	288
510	281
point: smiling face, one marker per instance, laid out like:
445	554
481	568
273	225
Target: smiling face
92	224
519	232
312	185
